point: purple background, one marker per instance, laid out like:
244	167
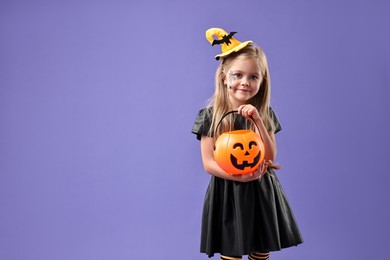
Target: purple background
97	102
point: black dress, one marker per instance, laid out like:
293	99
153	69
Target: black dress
242	218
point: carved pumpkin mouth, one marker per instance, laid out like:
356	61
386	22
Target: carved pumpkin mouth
244	164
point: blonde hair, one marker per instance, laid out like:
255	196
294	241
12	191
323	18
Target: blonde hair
220	100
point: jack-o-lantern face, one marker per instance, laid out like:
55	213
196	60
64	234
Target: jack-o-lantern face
239	152
245	155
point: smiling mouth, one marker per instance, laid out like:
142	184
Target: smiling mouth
244	164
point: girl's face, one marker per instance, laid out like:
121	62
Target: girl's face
243	80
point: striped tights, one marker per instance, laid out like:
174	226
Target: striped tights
254	256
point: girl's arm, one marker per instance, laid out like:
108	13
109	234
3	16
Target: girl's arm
268	137
269	141
211	166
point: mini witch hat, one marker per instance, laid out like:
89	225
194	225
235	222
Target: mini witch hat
228	43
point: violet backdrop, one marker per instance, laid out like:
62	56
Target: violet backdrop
97	102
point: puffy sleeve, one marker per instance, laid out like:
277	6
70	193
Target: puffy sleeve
278	127
202	123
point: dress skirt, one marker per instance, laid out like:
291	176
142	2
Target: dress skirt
242	218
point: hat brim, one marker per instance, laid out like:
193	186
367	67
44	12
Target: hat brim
235	49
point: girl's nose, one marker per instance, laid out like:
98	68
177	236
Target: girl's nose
245	81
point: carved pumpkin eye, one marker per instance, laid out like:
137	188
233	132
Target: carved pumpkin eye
238	145
252	143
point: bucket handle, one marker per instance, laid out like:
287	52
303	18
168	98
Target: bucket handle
235	111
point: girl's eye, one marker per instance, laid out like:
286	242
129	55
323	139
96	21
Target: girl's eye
238	75
255	77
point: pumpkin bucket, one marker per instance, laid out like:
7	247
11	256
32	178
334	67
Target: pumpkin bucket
239	151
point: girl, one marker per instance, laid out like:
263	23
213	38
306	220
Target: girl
243	214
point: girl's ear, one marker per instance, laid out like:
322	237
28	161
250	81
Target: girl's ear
224	76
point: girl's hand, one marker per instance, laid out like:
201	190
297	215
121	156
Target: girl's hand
263	168
248	111
251	176
245	177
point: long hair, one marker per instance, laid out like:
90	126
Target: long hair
220	101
